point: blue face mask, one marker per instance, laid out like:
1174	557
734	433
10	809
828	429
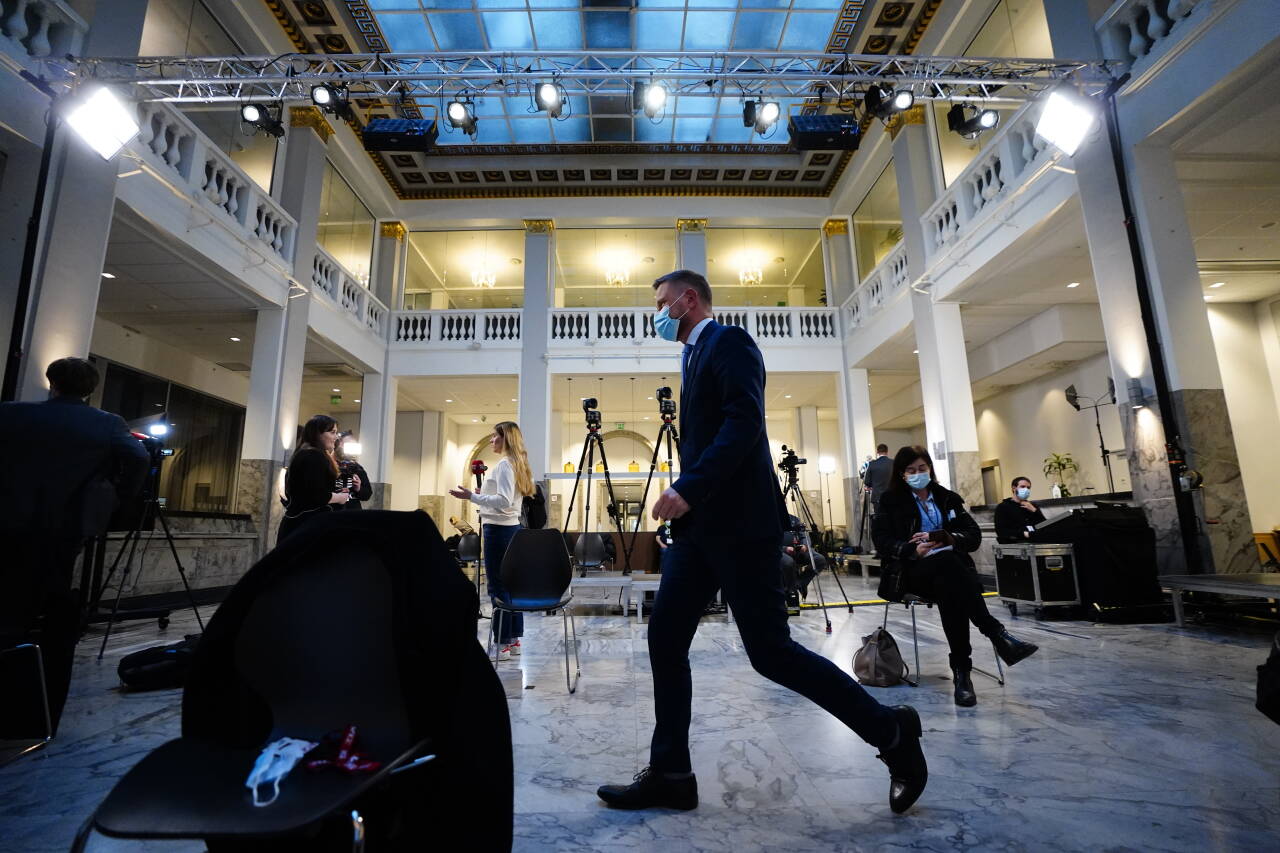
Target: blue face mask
668	327
1024	493
918	481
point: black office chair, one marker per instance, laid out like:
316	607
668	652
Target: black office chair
911	601
469	555
317	648
589	552
537	576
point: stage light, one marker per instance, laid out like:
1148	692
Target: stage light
158	430
883	103
333	99
826	465
103	121
1064	121
961	122
760	115
261	118
1072	397
655	99
550	98
461	115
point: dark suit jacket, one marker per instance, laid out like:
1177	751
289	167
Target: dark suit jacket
726	471
879	470
65	444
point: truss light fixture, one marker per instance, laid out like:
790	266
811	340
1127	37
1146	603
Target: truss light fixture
655	99
103	121
549	98
884	103
968	121
262	118
461	114
760	115
1065	120
334	99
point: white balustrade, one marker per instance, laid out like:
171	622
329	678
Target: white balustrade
41	29
332	281
1007	159
1133	29
451	328
878	288
177	149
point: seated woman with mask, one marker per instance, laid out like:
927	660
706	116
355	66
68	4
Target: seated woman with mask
1017	516
923	533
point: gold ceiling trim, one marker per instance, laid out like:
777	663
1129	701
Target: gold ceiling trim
835	226
287	23
539	226
691	226
394	230
311	117
613	192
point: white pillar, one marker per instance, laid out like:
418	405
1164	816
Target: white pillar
388	274
534	408
837	250
691	245
377	434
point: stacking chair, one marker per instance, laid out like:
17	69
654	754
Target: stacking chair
317	647
911	601
469	554
588	552
537	576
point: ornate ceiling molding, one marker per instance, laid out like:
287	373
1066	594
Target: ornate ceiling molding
539	226
394	230
833	227
311	117
691	226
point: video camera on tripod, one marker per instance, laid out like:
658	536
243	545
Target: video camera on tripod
666	405
591	413
790	464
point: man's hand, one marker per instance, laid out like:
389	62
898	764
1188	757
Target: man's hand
669	506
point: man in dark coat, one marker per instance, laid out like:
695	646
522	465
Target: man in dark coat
77	462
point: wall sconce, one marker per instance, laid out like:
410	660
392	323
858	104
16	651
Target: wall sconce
1137	397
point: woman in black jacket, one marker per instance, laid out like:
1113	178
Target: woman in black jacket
923	536
351	475
1016	516
310	486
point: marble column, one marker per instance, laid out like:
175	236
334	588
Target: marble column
377	434
280	338
950	424
858	431
837	251
534	404
691	245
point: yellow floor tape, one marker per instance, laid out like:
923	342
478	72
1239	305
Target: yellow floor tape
866	602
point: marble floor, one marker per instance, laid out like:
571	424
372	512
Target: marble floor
1113	737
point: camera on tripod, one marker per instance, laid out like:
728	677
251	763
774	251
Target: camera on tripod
591	412
790	461
666	405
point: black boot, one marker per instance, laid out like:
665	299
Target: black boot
908	771
651	789
965	697
1011	649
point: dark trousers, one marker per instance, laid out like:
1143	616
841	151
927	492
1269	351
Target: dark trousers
951	583
750	577
495	539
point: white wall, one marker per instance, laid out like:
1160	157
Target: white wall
1025	424
168	362
1250	389
406	461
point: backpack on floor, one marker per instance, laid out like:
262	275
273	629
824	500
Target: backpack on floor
879	663
159	667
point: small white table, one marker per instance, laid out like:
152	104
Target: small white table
609	580
640	584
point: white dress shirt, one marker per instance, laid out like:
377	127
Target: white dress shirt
697	330
498	500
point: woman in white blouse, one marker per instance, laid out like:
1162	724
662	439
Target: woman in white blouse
500	500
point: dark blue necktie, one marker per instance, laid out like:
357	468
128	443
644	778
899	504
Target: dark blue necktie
684	362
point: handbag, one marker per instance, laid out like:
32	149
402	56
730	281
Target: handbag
1269	683
879	663
892	578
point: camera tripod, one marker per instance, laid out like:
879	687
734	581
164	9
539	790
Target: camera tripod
864	516
586	464
807	523
667	411
150	504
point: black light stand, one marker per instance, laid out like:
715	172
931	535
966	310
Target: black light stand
790	466
667	411
1096	403
586	463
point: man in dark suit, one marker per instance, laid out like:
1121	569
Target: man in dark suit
727	516
76	461
878	472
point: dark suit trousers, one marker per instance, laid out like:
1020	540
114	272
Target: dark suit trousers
750	576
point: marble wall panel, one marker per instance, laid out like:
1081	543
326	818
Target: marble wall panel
381	498
966	475
1152	487
433	505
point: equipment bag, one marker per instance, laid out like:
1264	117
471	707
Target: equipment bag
159	667
879	663
534	509
1269	683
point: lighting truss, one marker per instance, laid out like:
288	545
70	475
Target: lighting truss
392	76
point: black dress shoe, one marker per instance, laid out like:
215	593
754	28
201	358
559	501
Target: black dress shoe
652	789
1011	649
908	771
965	697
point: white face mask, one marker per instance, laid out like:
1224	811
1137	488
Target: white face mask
273	764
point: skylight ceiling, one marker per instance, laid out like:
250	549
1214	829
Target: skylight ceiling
651	25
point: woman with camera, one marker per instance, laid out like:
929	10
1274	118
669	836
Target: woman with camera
500	500
924	535
310	486
351	475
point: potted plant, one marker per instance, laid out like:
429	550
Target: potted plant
1057	465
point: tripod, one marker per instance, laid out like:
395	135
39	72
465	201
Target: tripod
150	504
667	409
792	491
586	464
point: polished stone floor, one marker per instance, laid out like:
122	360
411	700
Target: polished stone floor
1140	737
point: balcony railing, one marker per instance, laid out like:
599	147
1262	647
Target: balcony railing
332	281
1132	30
888	278
39	29
462	329
1007	161
177	150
